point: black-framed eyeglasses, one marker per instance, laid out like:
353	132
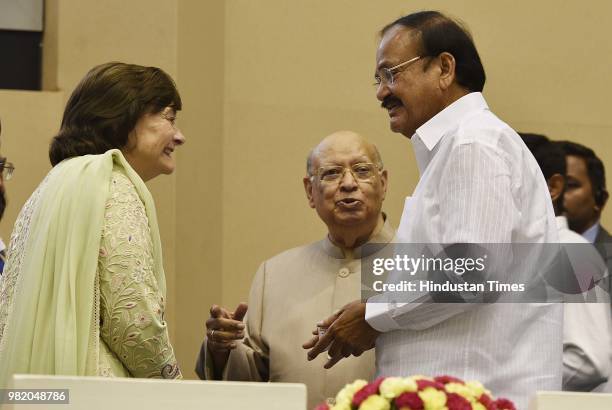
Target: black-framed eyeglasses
7	169
387	75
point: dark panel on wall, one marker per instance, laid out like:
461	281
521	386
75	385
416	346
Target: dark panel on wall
20	59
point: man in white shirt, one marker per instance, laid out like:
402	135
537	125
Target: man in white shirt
587	331
478	184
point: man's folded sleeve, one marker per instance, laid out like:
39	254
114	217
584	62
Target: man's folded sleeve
474	204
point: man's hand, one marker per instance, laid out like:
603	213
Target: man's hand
347	334
223	329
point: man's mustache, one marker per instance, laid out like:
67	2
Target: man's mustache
389	102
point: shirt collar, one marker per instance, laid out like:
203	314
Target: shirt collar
561	222
591	233
428	135
384	236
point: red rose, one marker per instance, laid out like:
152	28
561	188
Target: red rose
487	401
366	391
409	399
378	382
457	402
322	406
448	379
504	404
422	384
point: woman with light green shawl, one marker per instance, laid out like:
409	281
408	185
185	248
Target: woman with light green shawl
83	290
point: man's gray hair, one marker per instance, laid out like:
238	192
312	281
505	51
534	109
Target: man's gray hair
309	160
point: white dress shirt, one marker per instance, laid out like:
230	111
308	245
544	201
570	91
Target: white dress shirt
587	333
479	184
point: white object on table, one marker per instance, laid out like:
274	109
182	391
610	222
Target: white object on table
551	400
101	393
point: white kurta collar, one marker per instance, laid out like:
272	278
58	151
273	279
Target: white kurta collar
428	135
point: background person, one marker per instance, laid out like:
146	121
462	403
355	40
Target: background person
6	172
587	327
84	287
346	184
586	194
585	198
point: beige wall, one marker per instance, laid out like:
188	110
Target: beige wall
296	71
28	119
199	210
262	82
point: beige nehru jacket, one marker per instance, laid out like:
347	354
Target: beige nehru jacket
290	293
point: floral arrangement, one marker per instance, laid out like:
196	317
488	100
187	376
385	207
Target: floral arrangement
416	393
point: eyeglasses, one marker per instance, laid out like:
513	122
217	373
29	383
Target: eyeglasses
7	169
387	75
362	172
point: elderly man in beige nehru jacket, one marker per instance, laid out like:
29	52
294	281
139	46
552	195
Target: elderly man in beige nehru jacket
346	184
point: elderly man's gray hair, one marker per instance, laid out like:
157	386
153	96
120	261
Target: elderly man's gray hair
309	160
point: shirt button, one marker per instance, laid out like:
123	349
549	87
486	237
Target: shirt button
344	272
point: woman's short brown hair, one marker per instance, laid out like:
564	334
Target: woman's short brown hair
105	106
